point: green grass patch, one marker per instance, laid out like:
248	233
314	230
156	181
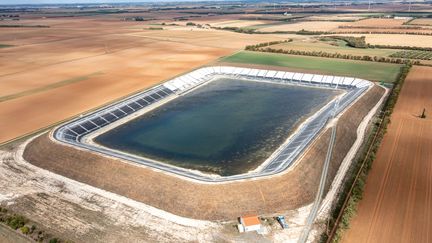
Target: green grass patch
22	26
155	28
361	69
261	26
5	46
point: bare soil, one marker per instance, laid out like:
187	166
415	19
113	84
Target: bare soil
422	21
393	31
52	74
379	22
8	235
64	208
205	201
397	202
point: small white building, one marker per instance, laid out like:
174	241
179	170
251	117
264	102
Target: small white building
249	223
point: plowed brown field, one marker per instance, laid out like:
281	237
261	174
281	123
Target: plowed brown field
51	74
397	203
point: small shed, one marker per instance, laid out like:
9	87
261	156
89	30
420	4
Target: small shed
249	223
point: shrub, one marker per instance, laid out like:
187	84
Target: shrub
54	240
15	221
32	228
356	42
25	230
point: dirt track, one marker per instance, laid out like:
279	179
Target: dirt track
204	201
397	203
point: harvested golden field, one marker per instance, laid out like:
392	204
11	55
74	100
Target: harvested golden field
335	17
396	39
422	21
378	25
376	22
387	7
307	25
207	38
221	23
397	201
51	74
380	31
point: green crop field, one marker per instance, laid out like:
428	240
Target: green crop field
374	71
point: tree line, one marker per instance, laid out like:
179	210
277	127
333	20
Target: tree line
308	32
352	191
356	42
264	44
378	27
22	225
413	48
360	42
334	55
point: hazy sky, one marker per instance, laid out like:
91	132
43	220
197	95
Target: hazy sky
73	1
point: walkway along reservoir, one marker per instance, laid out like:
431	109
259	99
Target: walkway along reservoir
217	79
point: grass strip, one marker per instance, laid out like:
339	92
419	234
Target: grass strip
5	46
385	72
47	87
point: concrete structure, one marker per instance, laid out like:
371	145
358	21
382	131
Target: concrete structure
76	131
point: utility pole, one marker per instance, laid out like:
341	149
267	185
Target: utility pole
423	115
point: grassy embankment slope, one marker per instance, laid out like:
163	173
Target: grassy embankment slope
373	71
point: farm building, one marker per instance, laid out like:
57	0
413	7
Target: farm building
249	223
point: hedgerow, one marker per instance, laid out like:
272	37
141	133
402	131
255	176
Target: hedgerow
353	192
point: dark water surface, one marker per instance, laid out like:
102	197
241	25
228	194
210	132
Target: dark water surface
226	127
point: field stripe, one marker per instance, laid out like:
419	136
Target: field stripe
384	181
47	87
411	198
